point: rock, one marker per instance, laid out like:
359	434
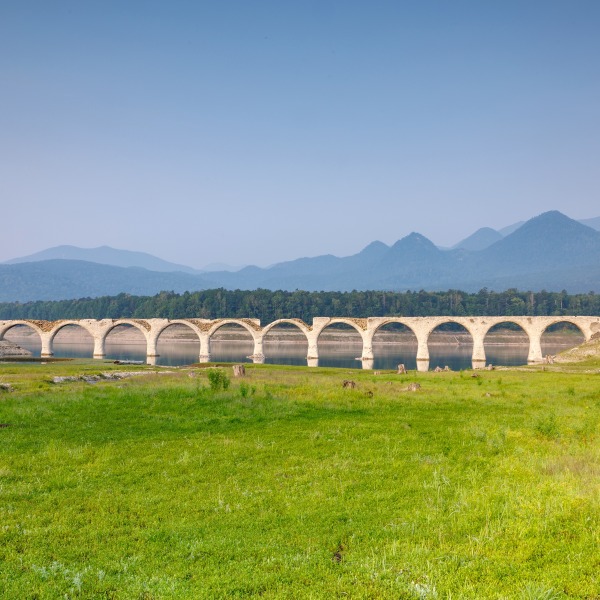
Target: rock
6	387
8	348
401	369
414	387
239	371
438	370
447	368
490	367
348	384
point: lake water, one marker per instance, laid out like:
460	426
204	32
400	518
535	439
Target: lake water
387	356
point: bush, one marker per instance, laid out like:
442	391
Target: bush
218	380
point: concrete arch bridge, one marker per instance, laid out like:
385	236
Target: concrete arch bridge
422	327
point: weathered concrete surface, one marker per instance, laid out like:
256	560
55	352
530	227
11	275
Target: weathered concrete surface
422	327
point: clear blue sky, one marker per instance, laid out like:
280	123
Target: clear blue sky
260	131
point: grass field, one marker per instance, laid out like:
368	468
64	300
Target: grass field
287	485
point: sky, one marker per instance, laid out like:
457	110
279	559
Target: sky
252	132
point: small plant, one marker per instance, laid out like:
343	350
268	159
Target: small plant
548	427
218	380
539	592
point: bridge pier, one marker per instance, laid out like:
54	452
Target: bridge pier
151	347
478	359
312	356
46	338
422	347
258	355
535	347
204	348
99	347
367	350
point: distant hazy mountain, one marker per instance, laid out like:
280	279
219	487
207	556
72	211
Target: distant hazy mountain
219	267
67	279
551	252
510	228
486	236
482	238
105	255
593	223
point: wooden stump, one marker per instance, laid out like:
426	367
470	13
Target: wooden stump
239	371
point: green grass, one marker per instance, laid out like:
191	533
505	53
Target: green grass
286	485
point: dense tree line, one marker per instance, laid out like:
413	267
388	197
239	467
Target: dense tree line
268	306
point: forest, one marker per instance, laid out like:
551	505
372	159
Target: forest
269	305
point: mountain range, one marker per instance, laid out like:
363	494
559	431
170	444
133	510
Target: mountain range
551	252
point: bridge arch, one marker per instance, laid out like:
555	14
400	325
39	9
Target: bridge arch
393	337
299	323
125	350
250	327
8	325
572	335
356	346
440	335
177	345
383	322
507	346
158	331
69	323
139	324
62	342
570	320
296	349
354	323
40	330
249	346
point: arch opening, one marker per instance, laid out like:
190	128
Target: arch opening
394	344
73	341
177	344
126	342
561	336
506	344
285	344
26	337
450	344
231	343
340	345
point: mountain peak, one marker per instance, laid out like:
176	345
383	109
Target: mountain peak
415	239
549	241
105	255
481	239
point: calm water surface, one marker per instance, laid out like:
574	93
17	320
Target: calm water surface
387	356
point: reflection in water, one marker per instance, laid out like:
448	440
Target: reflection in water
387	356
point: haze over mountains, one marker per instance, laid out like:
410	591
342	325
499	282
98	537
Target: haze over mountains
105	255
551	252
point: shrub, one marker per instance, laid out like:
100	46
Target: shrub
218	380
